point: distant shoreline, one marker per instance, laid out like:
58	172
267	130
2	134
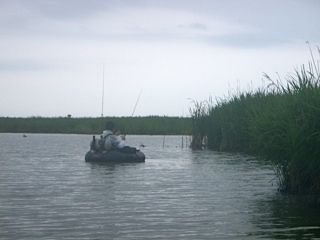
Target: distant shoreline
149	125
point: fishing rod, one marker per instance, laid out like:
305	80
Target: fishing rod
136	103
135	106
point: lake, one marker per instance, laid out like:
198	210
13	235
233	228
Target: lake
48	191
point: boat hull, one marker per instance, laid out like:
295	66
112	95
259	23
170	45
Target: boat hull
114	157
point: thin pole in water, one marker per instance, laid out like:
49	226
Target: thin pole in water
163	141
182	141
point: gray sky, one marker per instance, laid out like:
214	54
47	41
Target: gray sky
53	52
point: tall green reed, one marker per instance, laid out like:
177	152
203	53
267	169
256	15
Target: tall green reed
280	122
296	154
200	124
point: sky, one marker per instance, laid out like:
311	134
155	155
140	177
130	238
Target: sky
89	58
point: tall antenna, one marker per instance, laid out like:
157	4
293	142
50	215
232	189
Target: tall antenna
102	91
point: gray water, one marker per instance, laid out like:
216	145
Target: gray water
48	191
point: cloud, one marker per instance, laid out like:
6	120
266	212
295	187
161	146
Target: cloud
196	26
27	65
173	50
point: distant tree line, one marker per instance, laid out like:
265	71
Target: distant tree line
150	125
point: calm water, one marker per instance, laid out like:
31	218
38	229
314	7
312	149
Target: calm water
48	191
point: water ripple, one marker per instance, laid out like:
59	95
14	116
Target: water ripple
47	191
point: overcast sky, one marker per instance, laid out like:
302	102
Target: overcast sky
56	54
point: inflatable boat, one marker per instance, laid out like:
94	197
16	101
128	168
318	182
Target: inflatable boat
115	156
101	151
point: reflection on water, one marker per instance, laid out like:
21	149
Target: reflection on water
287	217
47	190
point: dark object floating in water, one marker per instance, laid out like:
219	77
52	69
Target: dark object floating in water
24	135
115	156
100	151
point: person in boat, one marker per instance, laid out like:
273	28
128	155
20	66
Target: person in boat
113	134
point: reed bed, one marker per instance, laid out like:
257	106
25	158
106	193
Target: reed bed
280	123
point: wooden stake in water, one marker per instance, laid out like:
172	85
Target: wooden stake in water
163	141
182	141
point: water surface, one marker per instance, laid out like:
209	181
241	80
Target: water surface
48	191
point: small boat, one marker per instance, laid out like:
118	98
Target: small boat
101	151
115	156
